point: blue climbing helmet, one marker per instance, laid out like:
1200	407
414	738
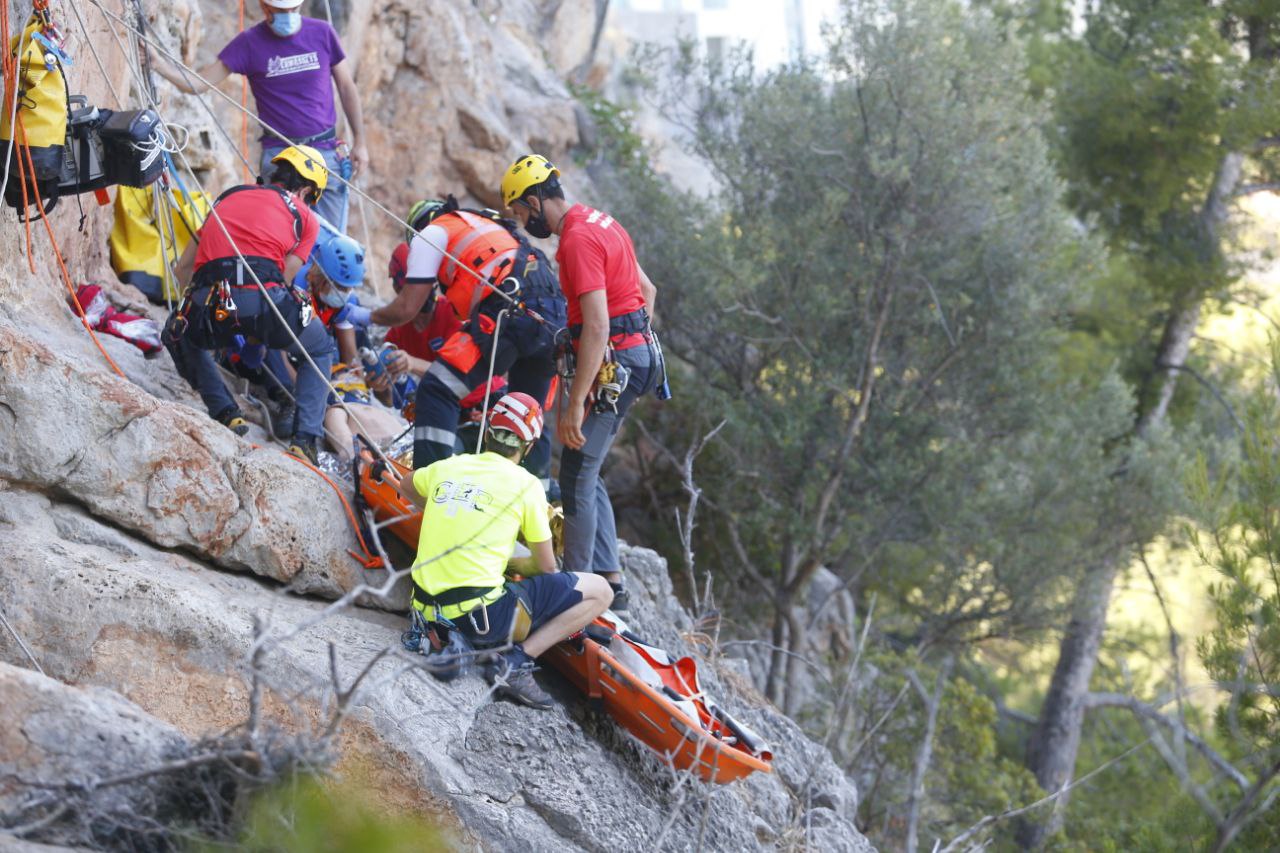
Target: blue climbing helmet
342	260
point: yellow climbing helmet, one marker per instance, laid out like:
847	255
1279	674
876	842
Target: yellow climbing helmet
309	163
525	173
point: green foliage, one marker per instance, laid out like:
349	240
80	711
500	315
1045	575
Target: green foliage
305	815
887	226
1242	544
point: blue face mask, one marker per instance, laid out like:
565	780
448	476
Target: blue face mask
334	297
285	24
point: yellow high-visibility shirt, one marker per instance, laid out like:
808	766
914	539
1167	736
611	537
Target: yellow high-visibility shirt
476	504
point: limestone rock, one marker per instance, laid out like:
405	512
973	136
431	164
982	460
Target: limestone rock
55	734
168	473
101	608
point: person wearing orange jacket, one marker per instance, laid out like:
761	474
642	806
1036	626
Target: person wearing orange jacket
469	255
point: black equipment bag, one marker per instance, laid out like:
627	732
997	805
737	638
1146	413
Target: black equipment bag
132	147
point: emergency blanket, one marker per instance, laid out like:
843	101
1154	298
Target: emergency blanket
102	316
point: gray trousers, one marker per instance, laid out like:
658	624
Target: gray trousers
590	532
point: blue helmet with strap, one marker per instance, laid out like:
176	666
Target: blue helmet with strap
341	259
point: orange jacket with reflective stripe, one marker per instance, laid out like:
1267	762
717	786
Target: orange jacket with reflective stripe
484	246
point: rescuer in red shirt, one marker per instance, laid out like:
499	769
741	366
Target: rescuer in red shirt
610	301
265	231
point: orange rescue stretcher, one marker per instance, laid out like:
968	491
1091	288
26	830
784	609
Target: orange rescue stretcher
655	698
378	497
659	701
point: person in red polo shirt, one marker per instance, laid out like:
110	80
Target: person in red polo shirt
255	233
610	301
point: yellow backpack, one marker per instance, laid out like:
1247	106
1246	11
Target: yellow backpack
138	254
41	120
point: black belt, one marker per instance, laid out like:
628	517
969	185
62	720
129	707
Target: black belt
233	270
457	595
624	324
322	136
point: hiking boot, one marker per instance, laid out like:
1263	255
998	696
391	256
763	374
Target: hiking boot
621	602
233	419
516	684
282	420
304	448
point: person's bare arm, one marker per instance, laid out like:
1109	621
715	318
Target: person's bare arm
347	350
185	267
410	492
404	307
213	73
545	556
647	290
292	263
591	347
350	97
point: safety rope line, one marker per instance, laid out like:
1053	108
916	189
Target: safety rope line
9	65
240	255
488	385
20	146
493	288
21	643
367	559
232	242
25	149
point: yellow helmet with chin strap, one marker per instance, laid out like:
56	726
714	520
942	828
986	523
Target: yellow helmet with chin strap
527	172
308	163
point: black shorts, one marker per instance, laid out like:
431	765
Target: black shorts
547	596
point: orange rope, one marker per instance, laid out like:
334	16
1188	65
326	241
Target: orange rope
62	264
368	560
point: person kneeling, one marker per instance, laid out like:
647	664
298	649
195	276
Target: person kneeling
473	508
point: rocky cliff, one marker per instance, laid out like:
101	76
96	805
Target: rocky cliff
176	583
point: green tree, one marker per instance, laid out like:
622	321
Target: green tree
1242	653
1166	114
874	300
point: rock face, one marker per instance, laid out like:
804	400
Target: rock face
58	734
140	541
167	634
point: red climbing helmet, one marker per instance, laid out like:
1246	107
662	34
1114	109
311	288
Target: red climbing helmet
518	416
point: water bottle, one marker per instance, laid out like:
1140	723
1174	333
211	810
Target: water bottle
373	366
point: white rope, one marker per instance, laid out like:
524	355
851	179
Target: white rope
488	385
332	174
266	296
22	644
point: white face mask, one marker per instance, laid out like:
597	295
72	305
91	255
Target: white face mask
334	297
285	23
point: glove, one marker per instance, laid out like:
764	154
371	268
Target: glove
356	315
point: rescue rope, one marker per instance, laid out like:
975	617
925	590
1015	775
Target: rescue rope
240	255
9	67
19	145
243	151
22	644
511	300
366	558
25	150
488	385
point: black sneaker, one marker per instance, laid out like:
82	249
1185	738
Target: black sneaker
305	449
516	684
621	603
282	421
233	419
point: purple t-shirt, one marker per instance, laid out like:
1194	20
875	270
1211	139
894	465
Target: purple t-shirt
291	78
